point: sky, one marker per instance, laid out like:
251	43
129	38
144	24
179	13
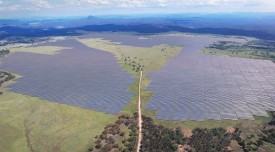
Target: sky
66	8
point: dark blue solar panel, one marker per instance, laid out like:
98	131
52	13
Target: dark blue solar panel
80	76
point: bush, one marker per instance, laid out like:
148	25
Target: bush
98	146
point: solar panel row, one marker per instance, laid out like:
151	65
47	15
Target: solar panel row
202	87
81	77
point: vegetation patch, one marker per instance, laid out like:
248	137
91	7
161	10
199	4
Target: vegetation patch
4	52
255	49
123	135
5	77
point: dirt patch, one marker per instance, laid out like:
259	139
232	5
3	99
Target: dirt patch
230	129
187	132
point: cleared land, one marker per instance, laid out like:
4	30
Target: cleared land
139	114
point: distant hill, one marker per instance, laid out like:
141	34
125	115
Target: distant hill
9	31
91	17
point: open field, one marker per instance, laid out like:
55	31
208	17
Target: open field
46	50
241	54
31	124
33	48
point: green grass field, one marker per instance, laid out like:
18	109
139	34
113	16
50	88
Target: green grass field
31	124
241	54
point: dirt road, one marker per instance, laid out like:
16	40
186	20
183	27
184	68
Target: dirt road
139	113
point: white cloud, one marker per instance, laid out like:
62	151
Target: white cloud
131	3
163	3
86	2
140	5
40	3
11	8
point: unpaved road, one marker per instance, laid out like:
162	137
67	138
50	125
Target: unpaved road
139	114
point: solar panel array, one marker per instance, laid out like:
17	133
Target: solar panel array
199	87
189	87
80	76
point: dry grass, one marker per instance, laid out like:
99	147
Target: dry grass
46	50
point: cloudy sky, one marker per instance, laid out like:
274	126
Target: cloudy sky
29	8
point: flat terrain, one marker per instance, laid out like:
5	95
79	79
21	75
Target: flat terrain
69	78
32	124
132	58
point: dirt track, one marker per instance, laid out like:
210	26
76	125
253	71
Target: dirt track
139	113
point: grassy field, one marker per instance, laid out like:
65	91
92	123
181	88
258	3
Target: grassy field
46	50
133	59
31	124
254	49
241	54
32	48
